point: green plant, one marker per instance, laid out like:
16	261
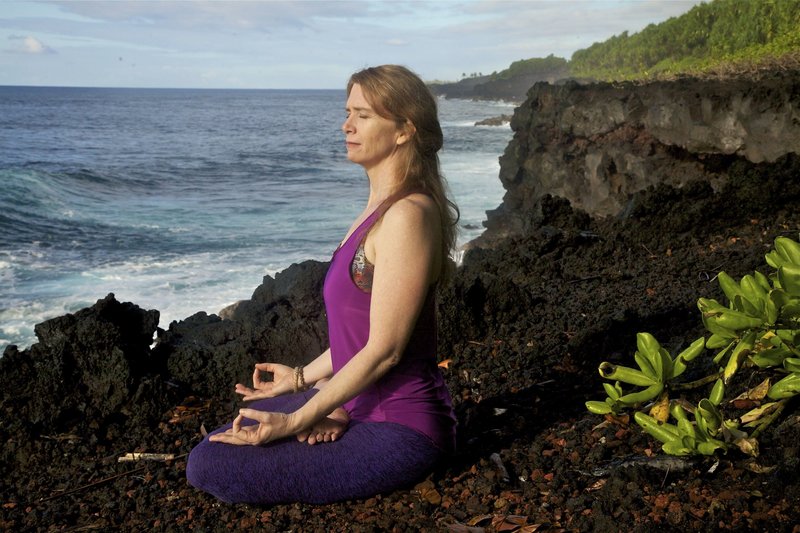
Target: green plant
759	329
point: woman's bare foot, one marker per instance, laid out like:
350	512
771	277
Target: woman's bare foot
328	429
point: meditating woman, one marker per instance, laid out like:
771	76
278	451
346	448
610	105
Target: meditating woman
379	415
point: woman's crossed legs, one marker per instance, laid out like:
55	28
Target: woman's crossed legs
368	459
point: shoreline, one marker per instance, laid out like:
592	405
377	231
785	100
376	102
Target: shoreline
28	341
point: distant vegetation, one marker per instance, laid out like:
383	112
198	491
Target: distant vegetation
538	66
509	84
710	38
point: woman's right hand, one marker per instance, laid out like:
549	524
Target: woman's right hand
282	382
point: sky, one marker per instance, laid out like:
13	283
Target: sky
279	44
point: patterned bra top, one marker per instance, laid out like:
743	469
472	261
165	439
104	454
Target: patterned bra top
361	270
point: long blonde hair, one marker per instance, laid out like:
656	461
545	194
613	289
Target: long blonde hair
396	93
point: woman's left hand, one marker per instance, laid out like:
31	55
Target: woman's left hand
271	426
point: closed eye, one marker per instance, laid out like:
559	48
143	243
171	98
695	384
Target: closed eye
362	113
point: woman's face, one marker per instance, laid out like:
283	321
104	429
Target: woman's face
370	138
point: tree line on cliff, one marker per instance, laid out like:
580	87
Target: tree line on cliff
709	37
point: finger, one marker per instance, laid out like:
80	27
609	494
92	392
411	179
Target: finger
231	439
225	438
248	434
254	396
254	414
246	391
237	424
216	436
259	368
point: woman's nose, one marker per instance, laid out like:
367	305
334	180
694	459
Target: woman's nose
347	126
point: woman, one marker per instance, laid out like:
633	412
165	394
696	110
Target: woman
379	415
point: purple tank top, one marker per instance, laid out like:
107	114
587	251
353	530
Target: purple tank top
413	392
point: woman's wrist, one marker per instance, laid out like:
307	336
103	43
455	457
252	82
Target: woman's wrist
299	380
292	421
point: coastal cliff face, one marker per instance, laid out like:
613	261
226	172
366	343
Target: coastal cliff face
599	145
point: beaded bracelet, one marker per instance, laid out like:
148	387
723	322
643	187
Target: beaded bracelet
299	379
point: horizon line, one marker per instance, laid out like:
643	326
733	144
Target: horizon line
171	88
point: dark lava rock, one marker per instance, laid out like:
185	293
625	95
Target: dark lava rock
283	322
88	366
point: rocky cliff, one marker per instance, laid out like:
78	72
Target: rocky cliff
599	145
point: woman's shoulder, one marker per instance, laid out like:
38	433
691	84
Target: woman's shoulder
412	209
413	204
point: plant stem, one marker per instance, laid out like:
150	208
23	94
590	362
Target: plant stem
770	419
694	384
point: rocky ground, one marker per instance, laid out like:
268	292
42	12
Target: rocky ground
524	326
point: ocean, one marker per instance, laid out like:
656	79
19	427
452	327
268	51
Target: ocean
181	200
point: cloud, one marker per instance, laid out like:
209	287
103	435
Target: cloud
518	30
27	44
397	42
274	15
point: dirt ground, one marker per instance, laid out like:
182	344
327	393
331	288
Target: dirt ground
524	326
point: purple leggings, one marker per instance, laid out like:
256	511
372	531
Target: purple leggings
368	459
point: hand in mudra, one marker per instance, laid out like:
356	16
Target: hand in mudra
270	426
282	382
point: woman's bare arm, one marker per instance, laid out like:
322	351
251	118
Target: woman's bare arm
406	262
